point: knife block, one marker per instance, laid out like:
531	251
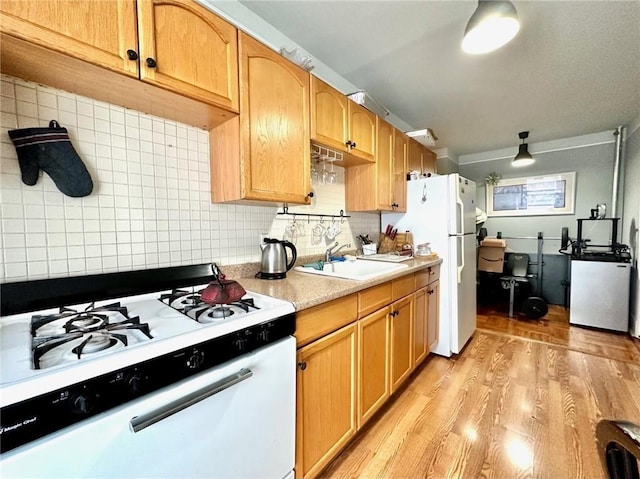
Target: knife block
387	245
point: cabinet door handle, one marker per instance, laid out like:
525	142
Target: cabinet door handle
353	145
394	205
348	143
151	63
430	291
302	365
132	54
394	314
311	194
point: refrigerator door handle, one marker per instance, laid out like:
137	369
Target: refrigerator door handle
460	217
461	266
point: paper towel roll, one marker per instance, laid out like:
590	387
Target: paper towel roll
494	242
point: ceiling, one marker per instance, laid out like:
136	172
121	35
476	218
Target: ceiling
573	69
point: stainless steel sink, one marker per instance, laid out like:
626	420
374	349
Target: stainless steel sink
358	270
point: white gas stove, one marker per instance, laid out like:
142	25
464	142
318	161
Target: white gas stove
37	346
63	366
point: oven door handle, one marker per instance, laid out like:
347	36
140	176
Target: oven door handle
138	423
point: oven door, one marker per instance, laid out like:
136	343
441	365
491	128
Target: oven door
235	421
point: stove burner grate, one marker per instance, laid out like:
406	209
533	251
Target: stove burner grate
189	302
94	320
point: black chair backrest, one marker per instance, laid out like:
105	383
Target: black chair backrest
518	264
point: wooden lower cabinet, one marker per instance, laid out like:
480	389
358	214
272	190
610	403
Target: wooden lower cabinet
326	399
420	317
401	334
373	363
433	314
347	372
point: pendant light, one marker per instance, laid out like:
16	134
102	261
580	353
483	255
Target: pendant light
492	25
523	158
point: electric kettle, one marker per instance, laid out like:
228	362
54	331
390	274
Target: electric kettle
274	263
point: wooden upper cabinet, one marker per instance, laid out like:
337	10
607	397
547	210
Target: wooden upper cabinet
185	47
329	115
414	156
98	32
380	186
420	158
340	123
428	162
399	171
362	132
274	126
384	166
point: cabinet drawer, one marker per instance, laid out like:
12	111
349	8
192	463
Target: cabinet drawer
422	278
373	299
315	322
434	274
403	286
427	276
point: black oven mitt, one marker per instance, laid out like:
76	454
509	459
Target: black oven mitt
50	149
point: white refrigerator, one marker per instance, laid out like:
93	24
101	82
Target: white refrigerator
441	210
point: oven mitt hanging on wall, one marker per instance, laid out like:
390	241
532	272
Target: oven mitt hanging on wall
50	149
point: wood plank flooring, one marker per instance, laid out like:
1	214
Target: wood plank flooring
520	401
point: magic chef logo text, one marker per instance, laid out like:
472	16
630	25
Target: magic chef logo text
26	422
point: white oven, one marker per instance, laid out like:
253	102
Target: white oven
235	421
116	376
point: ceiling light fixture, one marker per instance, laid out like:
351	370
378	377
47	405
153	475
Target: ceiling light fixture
492	25
523	158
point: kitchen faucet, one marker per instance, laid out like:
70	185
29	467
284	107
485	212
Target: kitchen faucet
330	251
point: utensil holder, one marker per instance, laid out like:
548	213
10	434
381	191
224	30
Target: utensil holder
368	249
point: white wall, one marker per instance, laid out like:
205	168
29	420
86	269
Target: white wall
151	203
631	216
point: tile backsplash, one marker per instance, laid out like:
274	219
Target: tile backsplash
151	205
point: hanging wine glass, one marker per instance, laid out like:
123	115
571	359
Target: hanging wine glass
332	177
325	173
314	170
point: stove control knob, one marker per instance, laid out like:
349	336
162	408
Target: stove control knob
263	335
195	359
134	384
240	343
82	403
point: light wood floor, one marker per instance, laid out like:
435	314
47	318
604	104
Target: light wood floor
521	401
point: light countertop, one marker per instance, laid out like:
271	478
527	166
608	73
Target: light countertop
306	290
